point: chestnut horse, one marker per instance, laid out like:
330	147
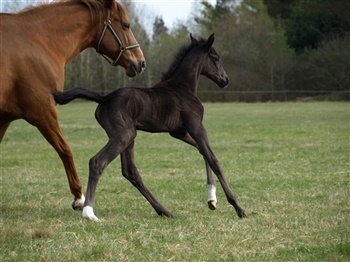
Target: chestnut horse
36	44
170	106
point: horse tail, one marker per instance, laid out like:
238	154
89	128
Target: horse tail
65	97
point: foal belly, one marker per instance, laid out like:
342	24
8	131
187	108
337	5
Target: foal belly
159	127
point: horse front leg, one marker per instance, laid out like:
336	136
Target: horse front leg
131	173
49	128
198	133
211	184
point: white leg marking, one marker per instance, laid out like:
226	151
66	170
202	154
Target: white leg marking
212	197
78	203
88	213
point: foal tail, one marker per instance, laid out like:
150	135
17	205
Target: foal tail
65	97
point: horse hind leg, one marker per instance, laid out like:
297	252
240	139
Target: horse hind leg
3	128
131	173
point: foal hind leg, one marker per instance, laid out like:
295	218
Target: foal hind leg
131	173
50	129
211	184
96	166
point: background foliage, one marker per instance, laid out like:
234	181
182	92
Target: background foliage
271	49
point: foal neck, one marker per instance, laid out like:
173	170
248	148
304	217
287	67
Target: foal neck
187	74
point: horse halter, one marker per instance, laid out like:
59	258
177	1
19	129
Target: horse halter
108	24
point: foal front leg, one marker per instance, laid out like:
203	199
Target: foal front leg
198	133
211	184
131	173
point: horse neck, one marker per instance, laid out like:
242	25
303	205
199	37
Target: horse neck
187	74
65	29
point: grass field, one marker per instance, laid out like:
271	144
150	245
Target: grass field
288	163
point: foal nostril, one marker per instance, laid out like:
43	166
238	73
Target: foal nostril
143	65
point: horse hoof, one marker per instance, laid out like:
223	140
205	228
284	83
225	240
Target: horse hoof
88	213
212	204
78	203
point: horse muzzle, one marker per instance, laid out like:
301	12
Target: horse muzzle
135	69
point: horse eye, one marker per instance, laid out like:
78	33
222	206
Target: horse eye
126	26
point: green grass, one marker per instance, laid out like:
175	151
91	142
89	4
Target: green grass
288	163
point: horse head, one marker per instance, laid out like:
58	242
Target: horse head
211	66
117	43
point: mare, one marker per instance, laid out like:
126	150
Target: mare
169	106
36	44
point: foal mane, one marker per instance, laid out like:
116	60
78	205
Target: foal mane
179	56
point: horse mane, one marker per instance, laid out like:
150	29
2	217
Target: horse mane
95	7
179	56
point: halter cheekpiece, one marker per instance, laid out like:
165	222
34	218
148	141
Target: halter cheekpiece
108	24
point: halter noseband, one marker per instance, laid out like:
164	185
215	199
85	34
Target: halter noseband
108	24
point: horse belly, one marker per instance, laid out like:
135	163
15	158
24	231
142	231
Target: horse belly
9	107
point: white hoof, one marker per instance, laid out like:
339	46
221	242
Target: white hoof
212	197
88	213
78	203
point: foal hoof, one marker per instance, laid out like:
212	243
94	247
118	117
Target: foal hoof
88	213
166	214
78	203
212	204
241	213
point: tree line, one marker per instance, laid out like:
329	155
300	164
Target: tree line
272	50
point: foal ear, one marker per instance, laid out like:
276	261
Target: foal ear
210	41
193	40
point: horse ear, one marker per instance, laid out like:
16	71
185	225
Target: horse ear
210	41
109	3
193	40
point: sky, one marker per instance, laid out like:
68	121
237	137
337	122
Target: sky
171	10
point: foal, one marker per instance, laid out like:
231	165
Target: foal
170	106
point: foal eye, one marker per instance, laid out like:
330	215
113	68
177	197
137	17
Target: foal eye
126	26
215	58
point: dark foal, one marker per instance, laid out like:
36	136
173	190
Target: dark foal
170	106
